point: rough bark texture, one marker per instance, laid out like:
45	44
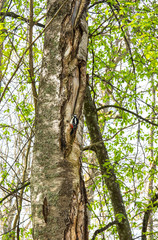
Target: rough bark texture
109	177
57	190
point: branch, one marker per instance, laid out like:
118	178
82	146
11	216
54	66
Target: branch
9	126
101	1
129	111
14	191
5	233
94	145
14	15
124	35
103	229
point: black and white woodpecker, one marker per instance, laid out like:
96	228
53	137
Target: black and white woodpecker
74	124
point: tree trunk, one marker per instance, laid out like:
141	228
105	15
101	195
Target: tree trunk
106	168
1	43
57	189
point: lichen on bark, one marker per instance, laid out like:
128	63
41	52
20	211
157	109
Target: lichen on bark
57	189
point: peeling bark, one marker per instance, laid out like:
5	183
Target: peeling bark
57	188
73	44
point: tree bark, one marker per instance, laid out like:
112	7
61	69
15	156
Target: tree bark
107	170
57	189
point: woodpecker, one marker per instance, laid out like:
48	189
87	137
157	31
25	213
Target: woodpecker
74	124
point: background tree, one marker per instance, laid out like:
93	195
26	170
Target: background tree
17	117
116	69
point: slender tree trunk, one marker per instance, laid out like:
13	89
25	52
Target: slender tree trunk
2	2
31	70
148	219
153	164
107	170
57	188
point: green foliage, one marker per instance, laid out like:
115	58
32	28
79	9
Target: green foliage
122	68
8	236
17	112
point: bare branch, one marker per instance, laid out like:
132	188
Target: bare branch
129	111
98	2
103	229
15	191
14	15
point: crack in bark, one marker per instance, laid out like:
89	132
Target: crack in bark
45	210
73	63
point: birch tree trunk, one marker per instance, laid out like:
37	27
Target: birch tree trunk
57	189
